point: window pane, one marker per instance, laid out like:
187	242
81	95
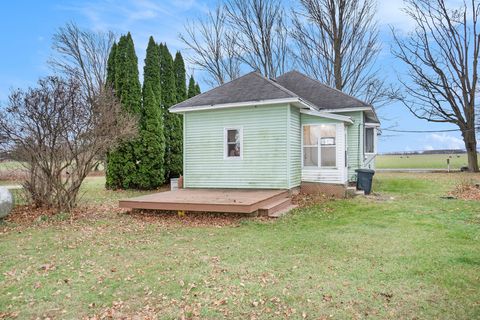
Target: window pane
311	135
310	156
328	131
328	155
233	136
369	135
234	149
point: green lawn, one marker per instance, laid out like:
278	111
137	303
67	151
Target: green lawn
421	161
406	255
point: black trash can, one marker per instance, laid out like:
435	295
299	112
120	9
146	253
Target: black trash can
364	179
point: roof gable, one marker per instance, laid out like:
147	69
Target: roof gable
248	88
315	92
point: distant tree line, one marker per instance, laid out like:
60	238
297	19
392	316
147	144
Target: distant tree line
156	155
439	151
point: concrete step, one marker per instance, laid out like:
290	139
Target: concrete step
274	206
282	212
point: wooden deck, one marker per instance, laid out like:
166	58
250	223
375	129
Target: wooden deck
208	200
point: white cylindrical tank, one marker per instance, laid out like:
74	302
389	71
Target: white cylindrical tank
6	202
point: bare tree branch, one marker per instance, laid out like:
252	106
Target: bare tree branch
261	34
337	43
213	47
441	55
82	55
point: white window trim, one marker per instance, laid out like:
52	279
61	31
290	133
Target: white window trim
374	139
319	165
225	143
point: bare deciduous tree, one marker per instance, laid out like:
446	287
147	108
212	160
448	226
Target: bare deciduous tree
58	135
441	55
337	43
262	36
82	55
213	47
239	33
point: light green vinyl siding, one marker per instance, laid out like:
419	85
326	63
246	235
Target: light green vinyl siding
354	143
264	163
295	148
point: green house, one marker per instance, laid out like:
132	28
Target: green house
255	132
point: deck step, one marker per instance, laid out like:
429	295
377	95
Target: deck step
280	213
275	206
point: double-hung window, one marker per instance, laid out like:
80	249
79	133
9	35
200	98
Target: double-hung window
320	145
233	143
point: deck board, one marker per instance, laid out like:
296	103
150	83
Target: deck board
214	200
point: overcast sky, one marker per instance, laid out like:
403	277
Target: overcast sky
27	28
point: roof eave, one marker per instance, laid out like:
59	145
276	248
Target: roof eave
328	115
234	105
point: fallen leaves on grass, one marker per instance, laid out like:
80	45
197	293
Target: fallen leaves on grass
306	200
25	215
193	219
8	315
467	191
28	214
120	310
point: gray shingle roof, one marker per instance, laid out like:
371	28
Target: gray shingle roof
250	87
315	92
255	87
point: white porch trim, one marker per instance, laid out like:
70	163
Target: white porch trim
328	115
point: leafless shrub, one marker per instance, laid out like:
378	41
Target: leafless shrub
60	135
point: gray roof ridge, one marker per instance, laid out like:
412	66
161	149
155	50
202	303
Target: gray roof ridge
277	85
201	94
232	80
326	86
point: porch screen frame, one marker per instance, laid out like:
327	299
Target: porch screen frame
319	147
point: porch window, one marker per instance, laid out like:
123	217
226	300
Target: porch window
233	143
319	145
369	140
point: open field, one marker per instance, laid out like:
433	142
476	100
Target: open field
402	255
421	161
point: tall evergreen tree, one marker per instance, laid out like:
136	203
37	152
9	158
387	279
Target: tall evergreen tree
197	89
151	147
111	66
128	88
172	122
180	77
191	87
123	75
